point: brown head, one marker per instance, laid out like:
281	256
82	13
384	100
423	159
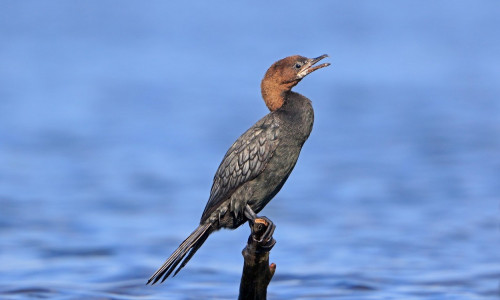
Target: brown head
283	75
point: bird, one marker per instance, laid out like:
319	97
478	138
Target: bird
259	162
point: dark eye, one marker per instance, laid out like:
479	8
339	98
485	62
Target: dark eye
297	66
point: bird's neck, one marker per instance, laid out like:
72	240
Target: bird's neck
275	94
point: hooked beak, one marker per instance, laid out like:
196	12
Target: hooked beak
309	67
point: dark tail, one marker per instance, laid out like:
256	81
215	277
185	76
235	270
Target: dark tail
188	247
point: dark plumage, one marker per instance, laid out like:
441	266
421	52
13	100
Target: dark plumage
244	161
257	165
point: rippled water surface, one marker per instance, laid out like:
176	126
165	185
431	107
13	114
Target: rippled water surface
115	115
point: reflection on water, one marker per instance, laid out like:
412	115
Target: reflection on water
114	119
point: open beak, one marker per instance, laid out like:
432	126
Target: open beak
309	66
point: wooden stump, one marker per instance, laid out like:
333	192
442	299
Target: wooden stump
257	273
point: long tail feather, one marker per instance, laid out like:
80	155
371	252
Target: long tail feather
192	252
188	247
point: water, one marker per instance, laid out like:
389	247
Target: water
114	118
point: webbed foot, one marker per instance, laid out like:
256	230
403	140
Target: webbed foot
262	230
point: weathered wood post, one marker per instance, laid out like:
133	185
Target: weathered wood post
257	273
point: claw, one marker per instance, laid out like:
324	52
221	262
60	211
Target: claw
262	229
269	229
268	234
262	233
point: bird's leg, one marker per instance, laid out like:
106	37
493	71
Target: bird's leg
262	229
249	214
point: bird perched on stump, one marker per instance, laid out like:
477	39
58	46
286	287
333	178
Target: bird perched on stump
257	165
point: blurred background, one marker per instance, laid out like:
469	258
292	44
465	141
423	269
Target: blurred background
114	117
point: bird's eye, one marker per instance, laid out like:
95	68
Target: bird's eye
297	66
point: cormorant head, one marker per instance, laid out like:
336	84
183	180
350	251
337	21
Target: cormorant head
284	74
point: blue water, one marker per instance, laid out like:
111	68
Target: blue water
114	117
